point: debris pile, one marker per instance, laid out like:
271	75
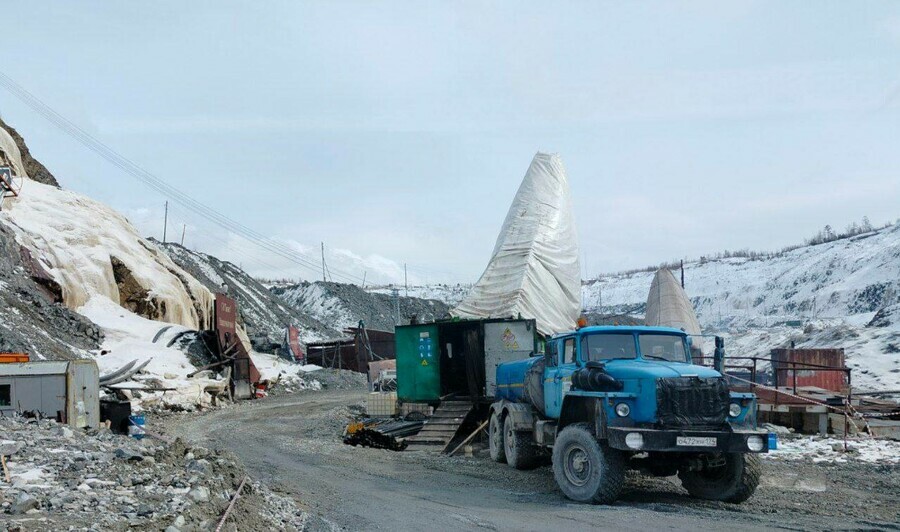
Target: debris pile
61	478
382	433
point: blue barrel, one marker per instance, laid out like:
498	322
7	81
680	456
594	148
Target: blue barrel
773	441
137	426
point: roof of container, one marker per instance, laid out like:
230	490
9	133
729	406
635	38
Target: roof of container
627	329
22	369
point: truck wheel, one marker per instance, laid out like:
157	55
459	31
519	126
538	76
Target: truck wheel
586	470
734	482
495	438
521	453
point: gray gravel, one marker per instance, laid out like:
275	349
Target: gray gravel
65	478
294	443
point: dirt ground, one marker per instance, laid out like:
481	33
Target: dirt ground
293	444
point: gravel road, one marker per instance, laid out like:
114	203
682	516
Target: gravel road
293	444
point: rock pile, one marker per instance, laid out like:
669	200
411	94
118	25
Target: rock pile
63	478
344	305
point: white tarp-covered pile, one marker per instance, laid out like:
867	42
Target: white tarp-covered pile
669	306
534	269
10	155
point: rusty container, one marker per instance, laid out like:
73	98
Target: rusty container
810	367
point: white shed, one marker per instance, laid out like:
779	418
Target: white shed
68	391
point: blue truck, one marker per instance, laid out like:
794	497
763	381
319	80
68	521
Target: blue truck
607	399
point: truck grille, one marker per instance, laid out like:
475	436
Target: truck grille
693	402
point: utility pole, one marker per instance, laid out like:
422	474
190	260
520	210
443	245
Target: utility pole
364	278
395	294
183	228
405	280
165	222
682	274
600	295
323	262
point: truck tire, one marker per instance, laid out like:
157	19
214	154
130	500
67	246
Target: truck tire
734	482
585	469
521	453
495	438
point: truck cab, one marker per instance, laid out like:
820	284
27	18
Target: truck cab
603	399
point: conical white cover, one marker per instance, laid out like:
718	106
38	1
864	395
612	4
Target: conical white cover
534	269
668	305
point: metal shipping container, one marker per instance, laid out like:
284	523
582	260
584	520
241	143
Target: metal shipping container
814	367
505	341
458	358
418	363
67	391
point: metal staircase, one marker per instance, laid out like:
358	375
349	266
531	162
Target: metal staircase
441	428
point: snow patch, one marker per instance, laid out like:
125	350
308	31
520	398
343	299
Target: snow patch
130	337
820	449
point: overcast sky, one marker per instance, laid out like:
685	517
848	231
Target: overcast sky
399	131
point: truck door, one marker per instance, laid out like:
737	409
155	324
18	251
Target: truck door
558	377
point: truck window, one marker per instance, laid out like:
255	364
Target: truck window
569	350
608	346
662	347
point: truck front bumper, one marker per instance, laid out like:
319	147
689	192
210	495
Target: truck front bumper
681	441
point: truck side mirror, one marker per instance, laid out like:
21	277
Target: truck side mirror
719	355
550	353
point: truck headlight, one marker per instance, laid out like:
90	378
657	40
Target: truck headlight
634	440
755	443
734	410
622	410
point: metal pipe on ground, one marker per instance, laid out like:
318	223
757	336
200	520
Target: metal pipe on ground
237	495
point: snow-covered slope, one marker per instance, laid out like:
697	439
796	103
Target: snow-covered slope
343	305
262	313
826	295
846	277
451	294
91	250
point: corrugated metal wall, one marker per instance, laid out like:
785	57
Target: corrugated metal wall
806	373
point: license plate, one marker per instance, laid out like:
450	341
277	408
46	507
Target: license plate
687	441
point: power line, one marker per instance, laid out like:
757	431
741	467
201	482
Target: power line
159	185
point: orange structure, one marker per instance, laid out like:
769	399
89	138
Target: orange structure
6	358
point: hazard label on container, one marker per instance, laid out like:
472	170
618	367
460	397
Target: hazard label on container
424	362
509	340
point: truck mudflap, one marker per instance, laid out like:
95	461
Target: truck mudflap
682	441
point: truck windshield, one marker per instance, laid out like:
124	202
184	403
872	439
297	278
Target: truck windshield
607	346
662	347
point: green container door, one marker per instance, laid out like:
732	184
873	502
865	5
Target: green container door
418	363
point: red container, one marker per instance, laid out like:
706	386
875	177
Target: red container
814	367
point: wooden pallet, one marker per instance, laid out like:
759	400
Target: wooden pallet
441	427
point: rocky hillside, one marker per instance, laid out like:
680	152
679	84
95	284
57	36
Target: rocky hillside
344	305
32	318
263	313
35	170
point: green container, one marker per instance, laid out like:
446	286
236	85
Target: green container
418	363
